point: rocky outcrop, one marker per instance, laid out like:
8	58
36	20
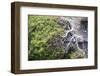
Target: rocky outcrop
74	42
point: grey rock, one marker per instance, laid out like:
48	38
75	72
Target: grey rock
75	37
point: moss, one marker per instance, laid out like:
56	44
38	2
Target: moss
40	30
75	54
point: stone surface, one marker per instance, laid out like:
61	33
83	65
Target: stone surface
75	36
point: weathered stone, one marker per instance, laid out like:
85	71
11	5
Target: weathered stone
75	38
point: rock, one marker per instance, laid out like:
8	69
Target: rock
75	39
64	23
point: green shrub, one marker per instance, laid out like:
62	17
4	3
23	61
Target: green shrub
40	30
